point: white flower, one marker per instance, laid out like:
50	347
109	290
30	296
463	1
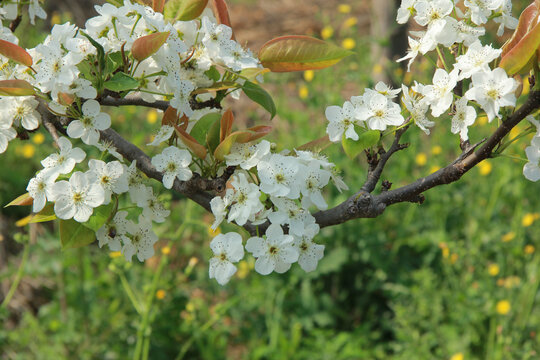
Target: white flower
439	95
414	48
165	132
227	249
174	163
531	170
481	9
153	209
39	188
275	253
309	252
76	198
463	118
505	19
418	108
182	93
141	241
110	176
91	122
314	180
385	90
379	112
429	12
468	34
244	199
34	9
7	133
341	120
137	189
246	155
291	214
114	233
20	110
64	162
279	176
476	59
405	11
219	209
492	90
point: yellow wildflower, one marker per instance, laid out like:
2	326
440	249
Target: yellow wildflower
529	249
38	138
308	75
348	43
529	219
303	92
436	150
503	307
166	250
421	159
458	356
327	32
160	294
485	167
152	116
350	22
493	269
115	254
344	8
28	151
508	236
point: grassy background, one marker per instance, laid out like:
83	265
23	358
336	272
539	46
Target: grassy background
455	278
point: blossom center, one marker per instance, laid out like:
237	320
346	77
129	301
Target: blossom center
77	197
273	250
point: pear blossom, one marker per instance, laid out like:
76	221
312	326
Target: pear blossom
153	209
65	160
275	252
429	12
476	59
39	188
115	232
227	249
309	252
480	10
141	241
379	112
289	213
405	10
246	155
110	176
531	170
218	205
137	189
279	176
244	199
174	163
418	107
412	53
7	133
77	197
342	121
439	95
492	90
506	20
21	110
463	118
315	179
87	128
165	132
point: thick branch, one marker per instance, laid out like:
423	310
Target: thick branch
110	101
363	204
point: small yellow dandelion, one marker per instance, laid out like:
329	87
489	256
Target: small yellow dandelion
377	69
350	22
303	92
327	32
485	168
482	120
436	150
454	258
166	250
458	356
55	18
348	43
243	269
529	249
308	75
508	236
115	254
421	159
503	307
38	138
152	116
493	269
193	261
529	219
190	306
344	8
28	151
160	294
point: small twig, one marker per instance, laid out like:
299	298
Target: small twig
110	101
15	23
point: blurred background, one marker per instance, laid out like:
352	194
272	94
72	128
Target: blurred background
455	278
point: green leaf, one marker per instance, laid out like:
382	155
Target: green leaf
23	200
74	234
99	48
16	88
99	217
260	96
202	127
213	74
184	10
121	82
299	53
46	214
113	62
212	138
366	139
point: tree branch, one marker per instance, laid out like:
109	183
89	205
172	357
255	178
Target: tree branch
364	205
111	101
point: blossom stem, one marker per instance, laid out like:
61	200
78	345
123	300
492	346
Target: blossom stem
441	57
18	277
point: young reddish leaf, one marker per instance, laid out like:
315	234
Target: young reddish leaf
170	117
299	53
216	87
16	88
65	98
226	124
259	131
222	13
524	43
158	5
147	45
191	143
22	200
15	53
184	10
316	145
